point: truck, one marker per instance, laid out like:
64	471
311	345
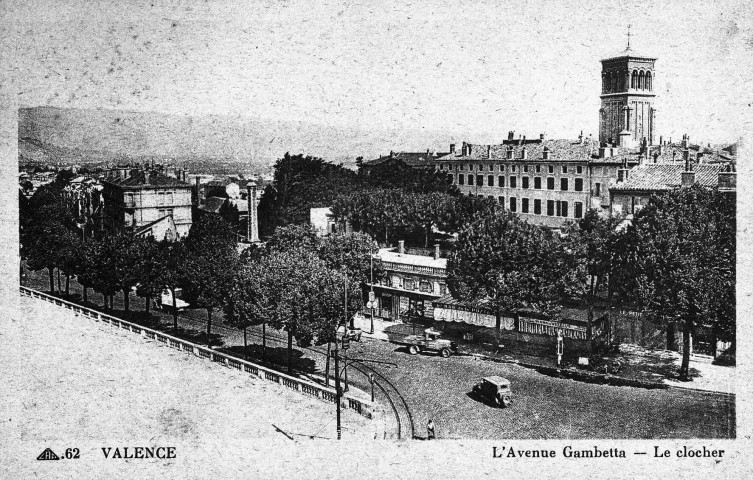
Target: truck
429	341
165	301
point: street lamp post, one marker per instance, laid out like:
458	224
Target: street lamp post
372	297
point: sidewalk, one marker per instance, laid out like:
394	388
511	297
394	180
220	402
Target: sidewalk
638	363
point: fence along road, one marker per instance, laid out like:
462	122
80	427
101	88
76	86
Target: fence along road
397	426
302	386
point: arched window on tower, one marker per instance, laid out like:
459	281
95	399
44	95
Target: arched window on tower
649	87
634	80
641	80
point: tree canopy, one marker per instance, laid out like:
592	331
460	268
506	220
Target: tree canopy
676	262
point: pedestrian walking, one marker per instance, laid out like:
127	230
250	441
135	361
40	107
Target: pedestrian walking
430	430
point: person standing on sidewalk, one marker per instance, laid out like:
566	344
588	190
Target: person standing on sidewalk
430	430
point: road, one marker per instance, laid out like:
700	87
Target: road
543	407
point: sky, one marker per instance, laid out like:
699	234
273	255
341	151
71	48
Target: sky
469	70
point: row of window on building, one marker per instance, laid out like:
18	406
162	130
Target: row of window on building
407	283
554	208
525	182
513	168
163	198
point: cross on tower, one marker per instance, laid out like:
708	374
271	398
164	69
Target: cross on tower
628	35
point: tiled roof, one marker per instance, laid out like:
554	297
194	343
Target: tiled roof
630	52
388	255
412	159
149	225
558	150
662	177
156	180
213	204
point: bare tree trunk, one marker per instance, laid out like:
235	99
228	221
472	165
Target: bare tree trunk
290	353
52	280
67	284
209	321
264	341
148	299
85	290
326	368
175	311
126	299
685	366
245	343
60	289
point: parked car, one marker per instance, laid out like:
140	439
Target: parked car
429	341
494	389
165	301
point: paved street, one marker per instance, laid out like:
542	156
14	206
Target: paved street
543	407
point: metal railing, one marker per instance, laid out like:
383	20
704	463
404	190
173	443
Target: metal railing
326	394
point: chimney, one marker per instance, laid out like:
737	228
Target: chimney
401	247
688	178
510	135
469	149
198	191
252	229
686	158
452	148
436	251
580	137
541	136
727	178
545	153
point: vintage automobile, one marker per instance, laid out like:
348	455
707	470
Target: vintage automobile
165	302
429	341
494	389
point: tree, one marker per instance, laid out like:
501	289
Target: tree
588	244
509	263
301	183
210	264
293	237
149	269
352	252
676	262
42	243
172	258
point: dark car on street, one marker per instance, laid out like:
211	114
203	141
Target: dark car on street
494	389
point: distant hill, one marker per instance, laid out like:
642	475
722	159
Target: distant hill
100	135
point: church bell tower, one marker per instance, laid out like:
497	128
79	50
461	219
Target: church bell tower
627	113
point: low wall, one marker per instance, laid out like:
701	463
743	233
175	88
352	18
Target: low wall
304	387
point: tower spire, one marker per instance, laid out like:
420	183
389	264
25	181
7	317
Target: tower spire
628	35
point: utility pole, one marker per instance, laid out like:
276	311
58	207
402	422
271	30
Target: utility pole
338	392
372	298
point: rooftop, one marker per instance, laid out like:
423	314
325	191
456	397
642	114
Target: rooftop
629	52
663	177
560	149
389	255
137	180
412	159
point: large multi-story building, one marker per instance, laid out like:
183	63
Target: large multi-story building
546	182
143	201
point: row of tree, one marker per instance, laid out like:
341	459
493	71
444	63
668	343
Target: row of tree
389	214
674	262
304	182
295	283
